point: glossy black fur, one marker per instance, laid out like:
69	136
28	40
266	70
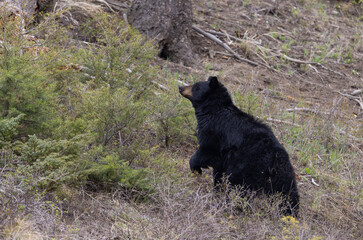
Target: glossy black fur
238	146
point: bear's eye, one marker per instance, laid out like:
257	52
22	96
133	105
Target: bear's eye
196	88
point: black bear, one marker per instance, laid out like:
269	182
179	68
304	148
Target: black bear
238	146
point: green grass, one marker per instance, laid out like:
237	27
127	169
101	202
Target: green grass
103	152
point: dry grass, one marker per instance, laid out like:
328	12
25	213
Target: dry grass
84	7
22	229
188	208
327	160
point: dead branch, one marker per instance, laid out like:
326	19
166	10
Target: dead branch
225	34
356	92
360	102
117	5
307	110
338	73
215	39
224	54
354	98
160	85
268	35
106	3
348	134
125	18
296	60
245	16
249	40
278	54
313	181
265	63
281	121
270	10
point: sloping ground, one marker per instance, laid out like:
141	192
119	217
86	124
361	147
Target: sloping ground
325	32
313	102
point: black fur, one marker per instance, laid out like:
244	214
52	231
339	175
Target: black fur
235	144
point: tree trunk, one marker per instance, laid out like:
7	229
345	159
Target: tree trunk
168	22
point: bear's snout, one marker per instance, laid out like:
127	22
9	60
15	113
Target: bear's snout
180	89
186	91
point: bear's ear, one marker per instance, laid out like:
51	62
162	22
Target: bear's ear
213	82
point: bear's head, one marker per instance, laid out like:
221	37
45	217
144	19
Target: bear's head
206	92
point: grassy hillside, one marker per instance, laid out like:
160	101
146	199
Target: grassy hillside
95	139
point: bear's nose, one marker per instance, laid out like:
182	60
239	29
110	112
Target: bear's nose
180	89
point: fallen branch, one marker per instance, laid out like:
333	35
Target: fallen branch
348	134
245	16
270	10
215	39
296	60
225	34
125	18
360	102
278	54
250	41
281	121
160	85
223	53
356	92
117	5
306	110
354	98
313	181
258	43
338	73
106	3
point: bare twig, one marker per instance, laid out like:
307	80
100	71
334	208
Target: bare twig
22	23
356	92
125	18
278	54
252	41
224	54
281	121
313	181
345	95
296	60
306	110
160	85
348	134
232	37
268	35
264	62
271	10
213	38
360	102
118	5
245	16
106	3
338	73
120	138
354	98
113	5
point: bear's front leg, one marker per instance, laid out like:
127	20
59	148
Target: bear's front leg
201	159
204	157
218	178
194	163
